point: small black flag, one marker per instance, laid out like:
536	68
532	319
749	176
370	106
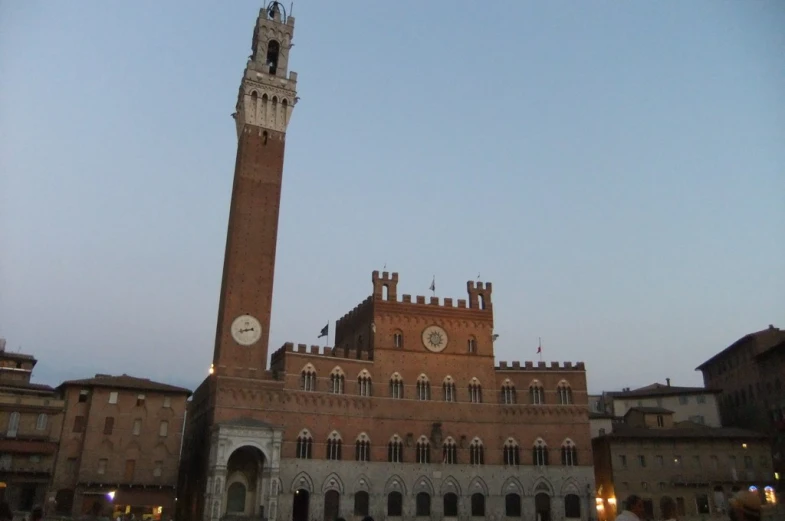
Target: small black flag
325	330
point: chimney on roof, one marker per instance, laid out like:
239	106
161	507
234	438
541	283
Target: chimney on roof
2	344
771	326
668	381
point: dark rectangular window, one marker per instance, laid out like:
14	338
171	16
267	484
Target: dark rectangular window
79	424
108	425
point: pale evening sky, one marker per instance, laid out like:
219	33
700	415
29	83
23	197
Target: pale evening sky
616	169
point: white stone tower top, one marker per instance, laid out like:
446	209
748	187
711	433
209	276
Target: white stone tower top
268	91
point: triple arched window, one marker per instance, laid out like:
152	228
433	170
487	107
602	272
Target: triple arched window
337	381
540	453
334	445
423	388
304	449
569	454
512	453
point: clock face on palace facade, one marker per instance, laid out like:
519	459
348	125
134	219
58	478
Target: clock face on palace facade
434	339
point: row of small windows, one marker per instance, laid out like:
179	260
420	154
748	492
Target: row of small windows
508	394
423	507
141	398
422	450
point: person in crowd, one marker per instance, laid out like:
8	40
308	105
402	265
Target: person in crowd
633	509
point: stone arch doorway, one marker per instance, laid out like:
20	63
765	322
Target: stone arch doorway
542	506
332	505
300	505
243	494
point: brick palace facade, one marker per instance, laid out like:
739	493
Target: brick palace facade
407	416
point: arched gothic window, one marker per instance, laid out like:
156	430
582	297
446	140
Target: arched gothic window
396	386
564	392
395	450
308	378
362	448
540	453
398	339
423	388
336	381
423	450
304	449
448	388
334	446
449	452
569	454
512	453
364	383
476	452
537	393
509	396
475	391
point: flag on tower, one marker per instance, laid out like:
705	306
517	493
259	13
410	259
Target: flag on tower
325	330
539	347
433	284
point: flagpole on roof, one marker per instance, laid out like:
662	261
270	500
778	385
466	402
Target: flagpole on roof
539	347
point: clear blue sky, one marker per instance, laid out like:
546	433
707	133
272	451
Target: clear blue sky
616	169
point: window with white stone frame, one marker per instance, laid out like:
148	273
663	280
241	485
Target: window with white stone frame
364	387
396	386
423	388
449	452
564	393
475	391
509	396
395	450
512	453
476	452
448	388
569	453
337	380
540	453
423	450
334	446
304	448
536	393
362	448
308	378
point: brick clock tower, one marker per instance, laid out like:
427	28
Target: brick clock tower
264	106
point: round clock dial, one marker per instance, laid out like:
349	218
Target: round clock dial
246	330
434	339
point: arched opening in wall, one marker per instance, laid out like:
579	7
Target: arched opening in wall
361	502
332	505
264	137
385	292
64	501
481	301
235	498
542	506
478	505
450	505
423	504
394	504
512	505
572	506
243	476
300	504
273	50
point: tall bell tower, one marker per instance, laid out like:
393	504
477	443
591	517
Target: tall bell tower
264	106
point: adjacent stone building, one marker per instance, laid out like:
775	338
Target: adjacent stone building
31	417
695	404
407	416
751	376
120	446
698	467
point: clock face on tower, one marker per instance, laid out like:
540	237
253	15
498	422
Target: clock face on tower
434	339
246	330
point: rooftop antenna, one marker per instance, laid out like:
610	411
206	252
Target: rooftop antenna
291	9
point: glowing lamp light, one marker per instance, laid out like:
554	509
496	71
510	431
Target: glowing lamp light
611	500
212	368
600	506
743	445
110	495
